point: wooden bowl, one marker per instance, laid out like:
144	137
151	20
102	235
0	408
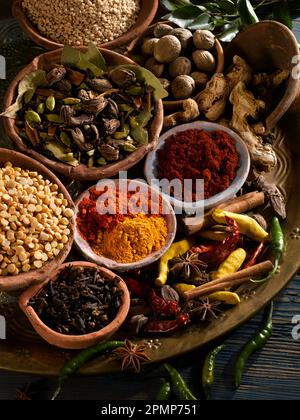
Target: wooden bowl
81	172
86	250
268	46
73	342
23	280
146	16
134	48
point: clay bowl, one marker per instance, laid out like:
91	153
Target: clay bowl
134	48
268	46
81	172
73	342
85	248
146	16
23	280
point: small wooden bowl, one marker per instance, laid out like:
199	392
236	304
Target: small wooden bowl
146	16
23	280
74	342
268	46
86	250
134	48
81	172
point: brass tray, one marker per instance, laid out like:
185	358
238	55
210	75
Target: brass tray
24	351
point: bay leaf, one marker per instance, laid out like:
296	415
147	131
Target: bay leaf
145	76
31	81
91	60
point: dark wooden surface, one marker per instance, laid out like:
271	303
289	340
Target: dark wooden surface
272	374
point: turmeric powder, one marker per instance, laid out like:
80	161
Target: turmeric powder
133	239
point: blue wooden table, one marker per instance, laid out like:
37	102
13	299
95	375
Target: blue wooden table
273	373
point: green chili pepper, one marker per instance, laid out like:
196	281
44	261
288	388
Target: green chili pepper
277	247
247	12
256	343
208	374
164	392
73	365
179	384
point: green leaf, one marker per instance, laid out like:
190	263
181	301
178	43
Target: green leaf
202	22
281	12
230	32
174	4
247	12
185	16
145	76
91	60
30	82
227	6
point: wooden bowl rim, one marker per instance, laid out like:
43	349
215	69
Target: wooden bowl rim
175	104
48	44
23	280
81	172
293	85
74	341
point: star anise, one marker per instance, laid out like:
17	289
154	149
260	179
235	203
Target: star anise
25	392
132	355
204	309
189	267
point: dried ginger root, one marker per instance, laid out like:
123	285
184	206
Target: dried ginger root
244	106
190	112
212	100
241	72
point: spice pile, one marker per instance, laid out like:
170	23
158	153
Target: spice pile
81	112
195	154
79	22
80	301
181	59
34	220
127	236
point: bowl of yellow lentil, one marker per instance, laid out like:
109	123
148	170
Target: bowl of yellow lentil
36	221
107	23
123	225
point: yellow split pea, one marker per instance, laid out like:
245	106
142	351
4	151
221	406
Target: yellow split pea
133	239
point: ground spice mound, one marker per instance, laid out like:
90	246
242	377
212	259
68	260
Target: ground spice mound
133	239
196	154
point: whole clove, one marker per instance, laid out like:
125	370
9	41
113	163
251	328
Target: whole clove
80	301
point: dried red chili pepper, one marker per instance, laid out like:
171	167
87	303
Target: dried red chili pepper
160	306
258	251
137	288
167	327
214	255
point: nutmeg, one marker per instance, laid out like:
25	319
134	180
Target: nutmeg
204	61
156	68
204	40
183	87
185	37
162	29
148	46
180	67
167	49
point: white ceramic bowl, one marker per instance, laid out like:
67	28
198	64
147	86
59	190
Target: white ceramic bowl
238	182
84	247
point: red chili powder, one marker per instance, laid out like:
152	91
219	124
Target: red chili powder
90	221
196	154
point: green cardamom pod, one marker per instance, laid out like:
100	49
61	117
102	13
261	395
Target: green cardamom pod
41	108
125	108
50	103
28	95
101	162
135	91
128	147
32	116
54	118
71	101
65	139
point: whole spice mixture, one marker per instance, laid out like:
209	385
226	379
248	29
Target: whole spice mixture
129	235
196	155
34	220
79	22
81	112
80	301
